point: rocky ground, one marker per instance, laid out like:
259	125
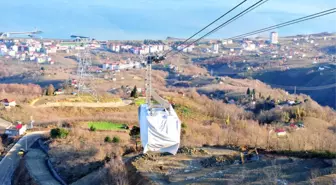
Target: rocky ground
221	166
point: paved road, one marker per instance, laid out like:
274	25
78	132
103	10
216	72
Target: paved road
9	163
37	167
4	124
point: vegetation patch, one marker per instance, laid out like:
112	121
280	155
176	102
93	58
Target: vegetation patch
107	139
140	101
103	125
116	139
59	133
183	110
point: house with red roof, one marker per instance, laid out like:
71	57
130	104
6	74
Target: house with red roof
8	103
280	132
17	130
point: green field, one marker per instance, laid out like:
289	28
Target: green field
103	125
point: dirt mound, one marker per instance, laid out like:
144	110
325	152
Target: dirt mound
192	151
217	161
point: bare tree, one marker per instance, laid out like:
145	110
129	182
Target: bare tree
117	173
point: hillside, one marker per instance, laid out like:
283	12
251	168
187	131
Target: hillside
305	77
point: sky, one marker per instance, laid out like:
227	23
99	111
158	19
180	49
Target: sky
157	19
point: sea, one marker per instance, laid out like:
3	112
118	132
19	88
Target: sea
141	19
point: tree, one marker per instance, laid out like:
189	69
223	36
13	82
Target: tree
134	92
50	90
116	173
253	94
248	92
135	135
116	139
107	139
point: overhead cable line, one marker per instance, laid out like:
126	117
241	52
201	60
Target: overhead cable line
294	21
252	7
210	24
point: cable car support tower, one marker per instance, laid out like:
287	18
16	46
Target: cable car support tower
85	80
150	92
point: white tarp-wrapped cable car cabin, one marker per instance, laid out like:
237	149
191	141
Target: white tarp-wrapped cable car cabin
159	130
160	126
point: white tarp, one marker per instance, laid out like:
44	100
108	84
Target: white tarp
161	131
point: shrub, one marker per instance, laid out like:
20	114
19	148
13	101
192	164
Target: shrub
92	128
135	131
59	133
116	139
183	132
183	125
108	139
125	126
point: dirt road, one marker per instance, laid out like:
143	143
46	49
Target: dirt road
9	163
83	104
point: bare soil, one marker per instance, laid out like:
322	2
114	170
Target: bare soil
223	167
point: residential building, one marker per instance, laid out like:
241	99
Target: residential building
274	38
18	130
3	48
12	53
51	49
8	103
15	48
249	46
117	48
215	48
160	47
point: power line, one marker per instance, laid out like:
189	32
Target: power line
210	24
294	21
252	7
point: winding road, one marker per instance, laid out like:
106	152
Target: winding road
9	163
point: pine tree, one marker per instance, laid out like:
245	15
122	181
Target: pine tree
248	92
134	92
